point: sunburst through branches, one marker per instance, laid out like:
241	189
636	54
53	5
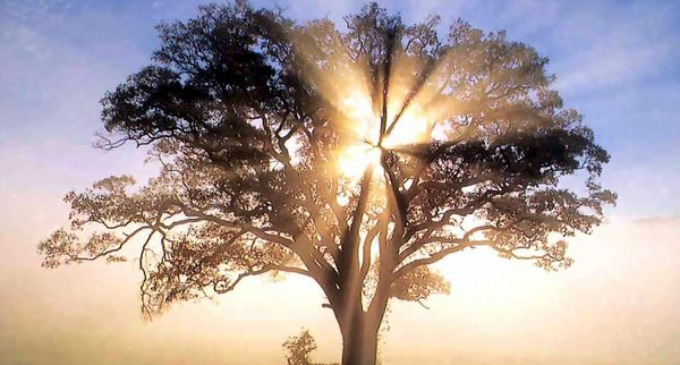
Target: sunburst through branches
355	157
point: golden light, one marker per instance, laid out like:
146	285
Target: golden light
363	146
349	88
354	159
412	127
362	132
364	125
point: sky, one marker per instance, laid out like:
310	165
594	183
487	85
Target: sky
615	61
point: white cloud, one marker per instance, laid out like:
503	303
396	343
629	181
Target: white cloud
612	45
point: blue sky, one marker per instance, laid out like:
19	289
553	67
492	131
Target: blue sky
616	62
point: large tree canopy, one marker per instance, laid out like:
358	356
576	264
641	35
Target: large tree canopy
355	156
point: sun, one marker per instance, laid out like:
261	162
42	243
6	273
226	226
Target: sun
367	128
354	159
365	146
361	135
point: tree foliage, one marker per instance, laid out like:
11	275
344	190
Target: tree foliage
250	115
299	348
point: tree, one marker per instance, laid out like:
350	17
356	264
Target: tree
355	157
299	348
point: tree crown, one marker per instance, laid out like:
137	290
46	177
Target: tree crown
357	157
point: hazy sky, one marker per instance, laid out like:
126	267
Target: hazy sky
616	63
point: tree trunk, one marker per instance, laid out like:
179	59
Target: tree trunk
360	340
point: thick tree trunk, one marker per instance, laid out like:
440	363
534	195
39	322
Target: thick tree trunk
360	340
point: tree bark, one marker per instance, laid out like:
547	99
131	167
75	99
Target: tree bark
360	340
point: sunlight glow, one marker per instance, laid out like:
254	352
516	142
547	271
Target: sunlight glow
363	147
354	160
412	127
414	106
364	124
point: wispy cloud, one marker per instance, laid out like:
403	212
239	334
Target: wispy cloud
592	44
612	45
